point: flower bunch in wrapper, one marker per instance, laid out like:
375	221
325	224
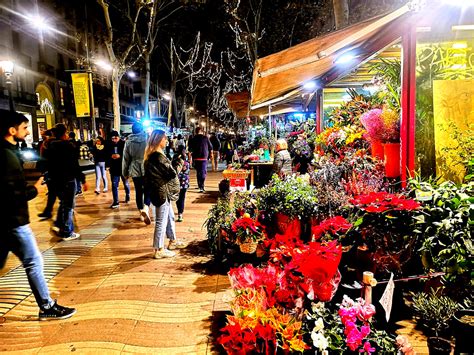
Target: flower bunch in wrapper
382	125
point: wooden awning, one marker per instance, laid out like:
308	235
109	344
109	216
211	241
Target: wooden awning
280	76
239	103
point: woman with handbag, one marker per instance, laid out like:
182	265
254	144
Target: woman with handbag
162	182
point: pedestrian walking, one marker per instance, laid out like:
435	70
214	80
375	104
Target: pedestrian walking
115	157
77	144
64	169
43	168
99	154
162	181
132	166
181	164
180	141
200	148
229	149
17	236
216	147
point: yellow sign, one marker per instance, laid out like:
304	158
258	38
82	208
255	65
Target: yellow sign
453	102
80	86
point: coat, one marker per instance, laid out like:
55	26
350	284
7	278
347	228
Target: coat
132	164
282	163
14	191
200	147
115	164
161	179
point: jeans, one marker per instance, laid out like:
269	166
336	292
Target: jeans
115	185
141	192
67	195
164	224
100	174
22	243
180	201
78	186
201	172
52	195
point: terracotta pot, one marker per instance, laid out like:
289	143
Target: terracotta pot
392	159
376	149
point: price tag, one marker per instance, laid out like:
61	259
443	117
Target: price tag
387	297
238	185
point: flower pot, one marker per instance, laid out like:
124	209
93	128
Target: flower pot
392	159
284	222
438	346
248	248
376	149
463	326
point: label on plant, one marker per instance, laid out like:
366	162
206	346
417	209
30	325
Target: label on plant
387	297
238	185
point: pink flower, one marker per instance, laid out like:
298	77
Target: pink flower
367	348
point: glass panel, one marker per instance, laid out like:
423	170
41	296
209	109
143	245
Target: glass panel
445	93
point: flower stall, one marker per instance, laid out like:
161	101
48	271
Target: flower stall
358	206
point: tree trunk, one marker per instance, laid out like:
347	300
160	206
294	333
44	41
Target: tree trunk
171	103
341	13
147	84
116	77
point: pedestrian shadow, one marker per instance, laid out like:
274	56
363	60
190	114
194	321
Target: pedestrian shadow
207	197
218	321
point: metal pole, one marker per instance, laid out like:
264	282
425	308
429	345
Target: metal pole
10	96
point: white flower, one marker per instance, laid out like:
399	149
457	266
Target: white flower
318	325
319	341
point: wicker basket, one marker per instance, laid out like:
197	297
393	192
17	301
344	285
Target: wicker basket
248	248
235	174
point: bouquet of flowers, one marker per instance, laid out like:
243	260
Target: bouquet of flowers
247	230
382	125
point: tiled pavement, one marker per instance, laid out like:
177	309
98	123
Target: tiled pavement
127	302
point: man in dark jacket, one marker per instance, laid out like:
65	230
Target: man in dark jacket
115	154
132	166
16	234
64	169
200	148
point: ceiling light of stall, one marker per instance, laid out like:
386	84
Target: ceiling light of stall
310	85
459	45
463	28
345	58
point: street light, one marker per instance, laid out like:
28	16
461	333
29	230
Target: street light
7	69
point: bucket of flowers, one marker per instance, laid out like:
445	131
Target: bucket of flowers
248	233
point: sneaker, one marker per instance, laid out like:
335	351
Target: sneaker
180	218
127	199
97	192
164	253
45	215
55	229
79	194
56	312
145	215
141	217
72	236
104	190
114	206
201	191
176	244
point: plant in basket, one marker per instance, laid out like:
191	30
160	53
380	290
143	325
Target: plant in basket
248	233
383	230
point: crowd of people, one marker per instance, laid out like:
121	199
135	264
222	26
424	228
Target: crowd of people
157	165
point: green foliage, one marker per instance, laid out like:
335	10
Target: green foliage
220	217
434	310
445	223
390	73
293	196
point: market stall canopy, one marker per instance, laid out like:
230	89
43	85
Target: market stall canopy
280	76
238	102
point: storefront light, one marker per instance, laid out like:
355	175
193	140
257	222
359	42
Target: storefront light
459	45
463	28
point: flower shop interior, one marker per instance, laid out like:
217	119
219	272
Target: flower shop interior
365	247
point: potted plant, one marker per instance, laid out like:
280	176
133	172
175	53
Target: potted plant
434	313
287	200
463	326
248	233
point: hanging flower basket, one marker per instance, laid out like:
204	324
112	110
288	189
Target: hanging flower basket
392	159
248	247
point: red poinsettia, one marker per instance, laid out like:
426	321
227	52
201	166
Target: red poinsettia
248	229
330	227
378	202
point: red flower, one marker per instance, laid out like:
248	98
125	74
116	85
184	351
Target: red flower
377	202
330	226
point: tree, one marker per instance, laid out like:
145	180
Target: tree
341	13
124	51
